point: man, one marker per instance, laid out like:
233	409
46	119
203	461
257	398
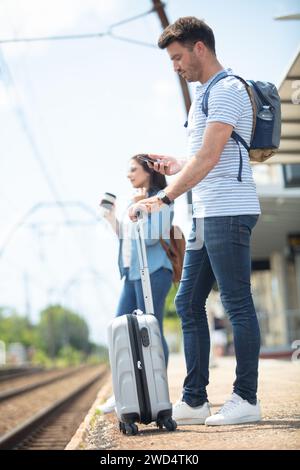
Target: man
225	210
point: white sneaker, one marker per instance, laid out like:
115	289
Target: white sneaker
235	411
109	406
185	414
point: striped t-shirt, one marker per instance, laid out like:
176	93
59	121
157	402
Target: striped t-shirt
220	193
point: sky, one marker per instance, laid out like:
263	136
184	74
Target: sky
73	112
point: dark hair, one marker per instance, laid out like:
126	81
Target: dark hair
187	31
157	180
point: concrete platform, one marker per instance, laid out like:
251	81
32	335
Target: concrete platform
279	393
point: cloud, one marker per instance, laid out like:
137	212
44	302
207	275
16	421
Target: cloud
33	18
8	98
165	92
165	89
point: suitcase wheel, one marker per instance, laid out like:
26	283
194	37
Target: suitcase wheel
168	423
130	429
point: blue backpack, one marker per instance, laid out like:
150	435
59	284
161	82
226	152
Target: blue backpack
266	128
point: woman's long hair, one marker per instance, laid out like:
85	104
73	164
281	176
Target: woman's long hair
157	180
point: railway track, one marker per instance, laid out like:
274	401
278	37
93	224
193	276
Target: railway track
6	394
53	426
14	373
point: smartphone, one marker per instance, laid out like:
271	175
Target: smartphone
145	158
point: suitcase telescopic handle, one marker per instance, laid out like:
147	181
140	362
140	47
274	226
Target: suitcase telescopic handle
144	270
142	254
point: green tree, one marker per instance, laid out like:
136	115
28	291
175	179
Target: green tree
17	328
170	311
60	327
172	325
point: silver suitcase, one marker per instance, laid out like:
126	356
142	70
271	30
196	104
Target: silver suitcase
137	361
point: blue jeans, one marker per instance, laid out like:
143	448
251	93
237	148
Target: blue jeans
132	298
218	249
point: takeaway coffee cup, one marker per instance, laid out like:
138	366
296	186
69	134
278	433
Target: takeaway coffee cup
107	202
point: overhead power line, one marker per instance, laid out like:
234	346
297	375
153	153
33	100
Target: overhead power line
53	38
160	9
132	41
8	78
108	32
9	81
46	205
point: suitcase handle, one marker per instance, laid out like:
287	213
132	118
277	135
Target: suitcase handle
144	270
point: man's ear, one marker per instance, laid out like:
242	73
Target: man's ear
199	48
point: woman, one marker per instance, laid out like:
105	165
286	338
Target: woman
148	182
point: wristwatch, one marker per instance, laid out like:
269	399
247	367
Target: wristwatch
163	197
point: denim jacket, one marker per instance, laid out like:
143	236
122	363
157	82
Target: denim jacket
156	225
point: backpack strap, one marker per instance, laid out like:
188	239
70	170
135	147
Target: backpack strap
234	135
238	140
219	77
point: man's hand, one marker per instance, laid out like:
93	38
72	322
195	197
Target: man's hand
215	137
167	166
151	204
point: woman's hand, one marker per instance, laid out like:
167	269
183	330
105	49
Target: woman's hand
110	216
166	165
149	205
139	195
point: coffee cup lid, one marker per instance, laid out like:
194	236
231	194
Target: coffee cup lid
110	194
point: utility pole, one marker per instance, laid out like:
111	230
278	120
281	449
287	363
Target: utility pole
160	9
27	296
